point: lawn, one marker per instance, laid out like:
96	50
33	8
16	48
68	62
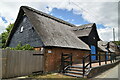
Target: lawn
54	76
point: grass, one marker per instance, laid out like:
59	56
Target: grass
54	76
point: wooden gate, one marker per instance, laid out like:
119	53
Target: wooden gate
21	63
66	61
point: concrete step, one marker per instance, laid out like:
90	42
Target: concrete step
73	75
75	72
74	69
80	67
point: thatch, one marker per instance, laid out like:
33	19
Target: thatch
112	47
51	30
103	45
111	50
83	30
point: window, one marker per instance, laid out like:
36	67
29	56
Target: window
21	29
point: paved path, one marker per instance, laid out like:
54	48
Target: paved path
93	64
111	73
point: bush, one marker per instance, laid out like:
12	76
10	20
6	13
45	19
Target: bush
20	47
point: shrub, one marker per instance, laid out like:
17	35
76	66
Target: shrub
20	47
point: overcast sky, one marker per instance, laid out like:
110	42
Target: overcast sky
104	13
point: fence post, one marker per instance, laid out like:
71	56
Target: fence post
90	60
62	64
71	59
105	58
115	57
110	57
83	66
99	59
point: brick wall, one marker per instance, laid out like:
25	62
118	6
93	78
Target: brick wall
53	57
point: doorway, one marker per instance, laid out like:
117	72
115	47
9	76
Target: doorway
93	51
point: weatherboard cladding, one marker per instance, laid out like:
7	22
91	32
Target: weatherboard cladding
28	36
93	37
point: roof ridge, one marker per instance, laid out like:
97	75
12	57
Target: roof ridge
82	27
87	24
47	15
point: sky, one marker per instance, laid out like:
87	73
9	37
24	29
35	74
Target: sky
78	12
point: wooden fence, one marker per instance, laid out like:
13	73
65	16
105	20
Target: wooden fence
20	63
112	57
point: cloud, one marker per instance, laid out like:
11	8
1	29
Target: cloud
107	34
59	0
72	20
103	12
3	25
67	20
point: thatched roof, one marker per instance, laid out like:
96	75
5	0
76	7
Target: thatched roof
111	50
83	30
103	45
112	46
51	30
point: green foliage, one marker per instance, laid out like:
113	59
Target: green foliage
20	47
4	35
10	26
116	42
1	41
27	47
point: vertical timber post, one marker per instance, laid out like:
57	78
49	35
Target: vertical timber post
110	57
90	61
83	67
62	63
71	59
105	58
99	59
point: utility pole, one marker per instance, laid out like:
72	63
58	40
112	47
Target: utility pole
113	34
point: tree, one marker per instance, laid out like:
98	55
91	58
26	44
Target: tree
116	42
0	41
4	35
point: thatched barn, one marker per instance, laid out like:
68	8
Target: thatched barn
115	48
104	48
88	34
48	33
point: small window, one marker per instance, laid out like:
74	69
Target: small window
21	29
